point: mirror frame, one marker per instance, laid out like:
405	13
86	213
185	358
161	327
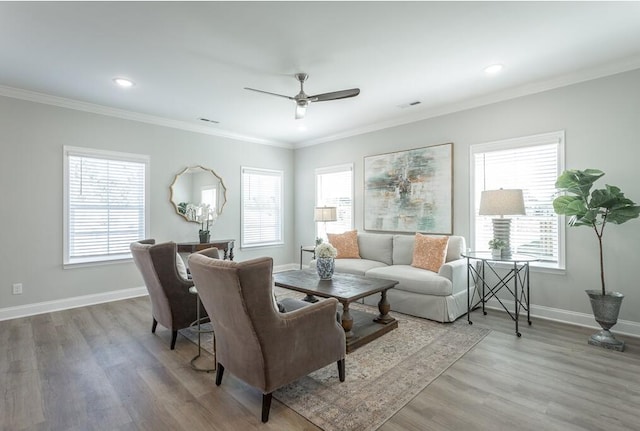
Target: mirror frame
184	171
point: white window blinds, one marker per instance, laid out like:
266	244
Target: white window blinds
533	165
105	204
334	188
261	207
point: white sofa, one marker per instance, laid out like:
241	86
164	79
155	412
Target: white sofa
440	296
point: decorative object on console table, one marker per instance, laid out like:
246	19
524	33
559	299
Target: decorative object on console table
410	191
594	209
207	217
324	214
325	255
502	202
204	236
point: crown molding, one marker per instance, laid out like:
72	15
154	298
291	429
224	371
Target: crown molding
47	99
501	96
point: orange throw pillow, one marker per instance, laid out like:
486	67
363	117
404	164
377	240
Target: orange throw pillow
429	252
346	243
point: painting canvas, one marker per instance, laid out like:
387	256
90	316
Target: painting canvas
410	191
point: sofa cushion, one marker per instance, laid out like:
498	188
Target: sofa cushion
403	249
412	279
455	248
346	243
356	266
429	252
375	246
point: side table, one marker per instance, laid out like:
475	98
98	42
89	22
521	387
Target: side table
197	323
307	249
516	281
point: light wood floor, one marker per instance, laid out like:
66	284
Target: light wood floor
100	368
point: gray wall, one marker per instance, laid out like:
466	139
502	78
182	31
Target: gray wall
31	139
601	119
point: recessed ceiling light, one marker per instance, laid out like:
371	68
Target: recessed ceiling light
123	82
493	69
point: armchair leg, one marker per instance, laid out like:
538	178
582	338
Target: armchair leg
219	373
266	406
154	325
341	369
174	336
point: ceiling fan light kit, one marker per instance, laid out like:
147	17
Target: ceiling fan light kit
303	100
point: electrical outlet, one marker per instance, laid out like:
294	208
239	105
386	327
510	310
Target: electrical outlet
17	288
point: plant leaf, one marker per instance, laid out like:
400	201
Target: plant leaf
578	182
569	205
622	215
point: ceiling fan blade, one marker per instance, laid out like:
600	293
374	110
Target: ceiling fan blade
301	109
334	95
267	92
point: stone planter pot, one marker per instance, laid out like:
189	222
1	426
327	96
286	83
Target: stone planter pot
204	237
605	310
325	267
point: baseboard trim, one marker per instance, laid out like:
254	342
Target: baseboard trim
623	327
85	300
67	303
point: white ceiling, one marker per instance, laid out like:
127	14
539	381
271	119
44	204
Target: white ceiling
192	59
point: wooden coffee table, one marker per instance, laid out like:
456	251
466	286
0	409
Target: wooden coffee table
358	326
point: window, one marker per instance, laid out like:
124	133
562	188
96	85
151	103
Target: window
334	188
532	164
105	204
261	207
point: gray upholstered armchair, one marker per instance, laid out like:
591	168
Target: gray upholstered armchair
255	342
171	303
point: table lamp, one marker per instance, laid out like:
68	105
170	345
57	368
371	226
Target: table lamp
325	214
502	202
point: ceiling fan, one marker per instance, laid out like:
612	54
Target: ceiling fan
303	100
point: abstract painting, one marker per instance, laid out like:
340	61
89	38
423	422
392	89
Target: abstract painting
410	191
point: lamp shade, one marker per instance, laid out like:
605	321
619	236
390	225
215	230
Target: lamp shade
502	202
325	214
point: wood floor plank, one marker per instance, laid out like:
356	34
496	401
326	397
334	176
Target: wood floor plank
101	368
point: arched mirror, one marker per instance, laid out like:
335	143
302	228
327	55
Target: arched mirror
195	186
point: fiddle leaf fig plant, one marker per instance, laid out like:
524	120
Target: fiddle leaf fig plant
592	208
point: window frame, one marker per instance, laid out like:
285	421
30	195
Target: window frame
319	200
271	172
557	137
68	151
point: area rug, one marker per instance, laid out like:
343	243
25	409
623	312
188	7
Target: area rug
381	377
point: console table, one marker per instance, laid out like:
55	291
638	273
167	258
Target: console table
517	273
226	245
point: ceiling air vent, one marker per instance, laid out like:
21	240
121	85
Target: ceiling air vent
206	120
410	104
